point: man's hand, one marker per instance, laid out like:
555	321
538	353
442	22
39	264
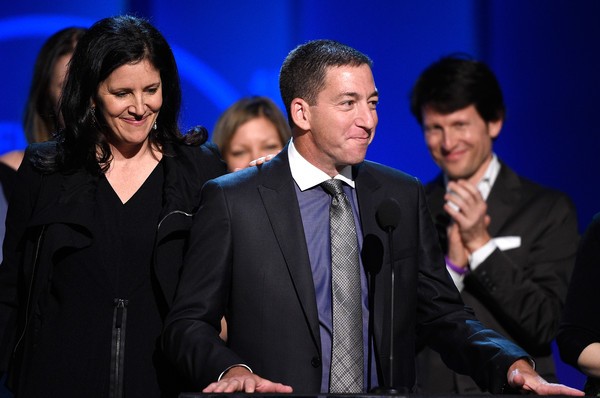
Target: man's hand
241	379
522	376
257	162
471	214
262	160
457	253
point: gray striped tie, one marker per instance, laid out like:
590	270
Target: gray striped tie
346	374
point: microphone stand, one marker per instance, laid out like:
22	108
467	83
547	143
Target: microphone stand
371	328
391	376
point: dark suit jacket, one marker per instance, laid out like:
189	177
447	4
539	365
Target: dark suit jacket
518	292
248	260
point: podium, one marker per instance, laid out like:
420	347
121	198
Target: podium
292	395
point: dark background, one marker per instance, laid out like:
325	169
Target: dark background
544	52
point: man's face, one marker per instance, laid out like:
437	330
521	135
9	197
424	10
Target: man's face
460	142
341	123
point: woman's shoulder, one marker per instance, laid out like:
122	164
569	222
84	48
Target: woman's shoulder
12	159
41	156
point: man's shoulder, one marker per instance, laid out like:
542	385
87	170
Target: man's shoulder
272	174
526	197
532	189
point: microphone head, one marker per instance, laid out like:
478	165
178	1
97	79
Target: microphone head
372	254
388	214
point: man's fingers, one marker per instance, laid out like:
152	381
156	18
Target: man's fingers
266	386
261	160
248	384
256	162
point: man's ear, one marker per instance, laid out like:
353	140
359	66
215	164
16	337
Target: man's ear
300	113
494	128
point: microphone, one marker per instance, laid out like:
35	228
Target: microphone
388	214
372	254
388	217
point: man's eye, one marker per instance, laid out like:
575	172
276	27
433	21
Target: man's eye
432	129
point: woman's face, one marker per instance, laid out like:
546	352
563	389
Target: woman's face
131	98
256	138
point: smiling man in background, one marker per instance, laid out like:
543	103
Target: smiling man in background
509	243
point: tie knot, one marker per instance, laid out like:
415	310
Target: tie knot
333	186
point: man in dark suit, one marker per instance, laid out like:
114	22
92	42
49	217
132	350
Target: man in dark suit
260	256
510	244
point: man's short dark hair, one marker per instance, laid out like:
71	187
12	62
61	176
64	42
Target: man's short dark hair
456	82
302	74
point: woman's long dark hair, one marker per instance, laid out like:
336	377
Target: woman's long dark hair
108	44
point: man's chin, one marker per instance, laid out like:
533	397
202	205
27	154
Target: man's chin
456	176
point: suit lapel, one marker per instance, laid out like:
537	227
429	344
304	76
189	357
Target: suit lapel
435	192
370	195
505	193
281	204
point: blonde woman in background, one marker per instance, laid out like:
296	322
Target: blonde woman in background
251	128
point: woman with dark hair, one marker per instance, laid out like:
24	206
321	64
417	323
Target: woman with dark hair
41	117
251	128
99	223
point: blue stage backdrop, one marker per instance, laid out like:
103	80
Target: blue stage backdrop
543	51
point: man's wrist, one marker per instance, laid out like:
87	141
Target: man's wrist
457	268
476	244
237	365
481	254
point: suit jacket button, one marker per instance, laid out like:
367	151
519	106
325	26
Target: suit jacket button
315	362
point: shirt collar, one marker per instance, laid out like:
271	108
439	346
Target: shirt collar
307	175
487	181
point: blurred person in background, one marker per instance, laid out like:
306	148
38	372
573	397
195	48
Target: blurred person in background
252	128
41	118
509	243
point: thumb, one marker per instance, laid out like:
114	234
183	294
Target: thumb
516	379
487	220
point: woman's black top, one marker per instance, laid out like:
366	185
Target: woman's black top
101	304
